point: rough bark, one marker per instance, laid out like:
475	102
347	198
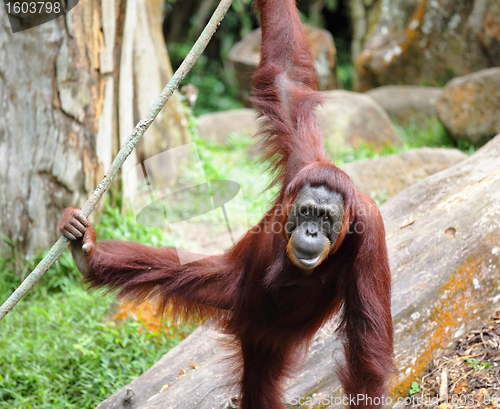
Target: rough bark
52	95
443	236
64	88
152	70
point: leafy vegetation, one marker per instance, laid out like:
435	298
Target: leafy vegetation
431	134
216	82
343	67
415	388
59	348
477	365
213	74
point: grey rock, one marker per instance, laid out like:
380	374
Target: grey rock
424	42
386	176
219	125
407	103
346	119
352	119
470	106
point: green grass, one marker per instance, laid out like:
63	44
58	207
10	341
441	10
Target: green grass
233	161
59	351
58	346
431	134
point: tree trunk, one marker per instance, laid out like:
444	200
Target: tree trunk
52	94
443	237
60	87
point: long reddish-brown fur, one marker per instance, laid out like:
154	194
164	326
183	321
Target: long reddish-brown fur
254	290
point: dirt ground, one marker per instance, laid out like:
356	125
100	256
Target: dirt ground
467	377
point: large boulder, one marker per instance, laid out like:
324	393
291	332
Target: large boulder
353	119
346	119
245	56
443	237
218	126
384	177
470	106
407	103
424	42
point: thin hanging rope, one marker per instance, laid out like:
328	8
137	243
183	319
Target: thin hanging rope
186	66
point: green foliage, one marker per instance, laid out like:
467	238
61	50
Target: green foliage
414	136
213	73
431	134
379	196
58	348
476	364
8	279
60	351
363	151
415	388
117	226
343	66
216	82
59	277
233	161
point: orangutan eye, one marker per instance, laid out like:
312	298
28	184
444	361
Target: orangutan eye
306	211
